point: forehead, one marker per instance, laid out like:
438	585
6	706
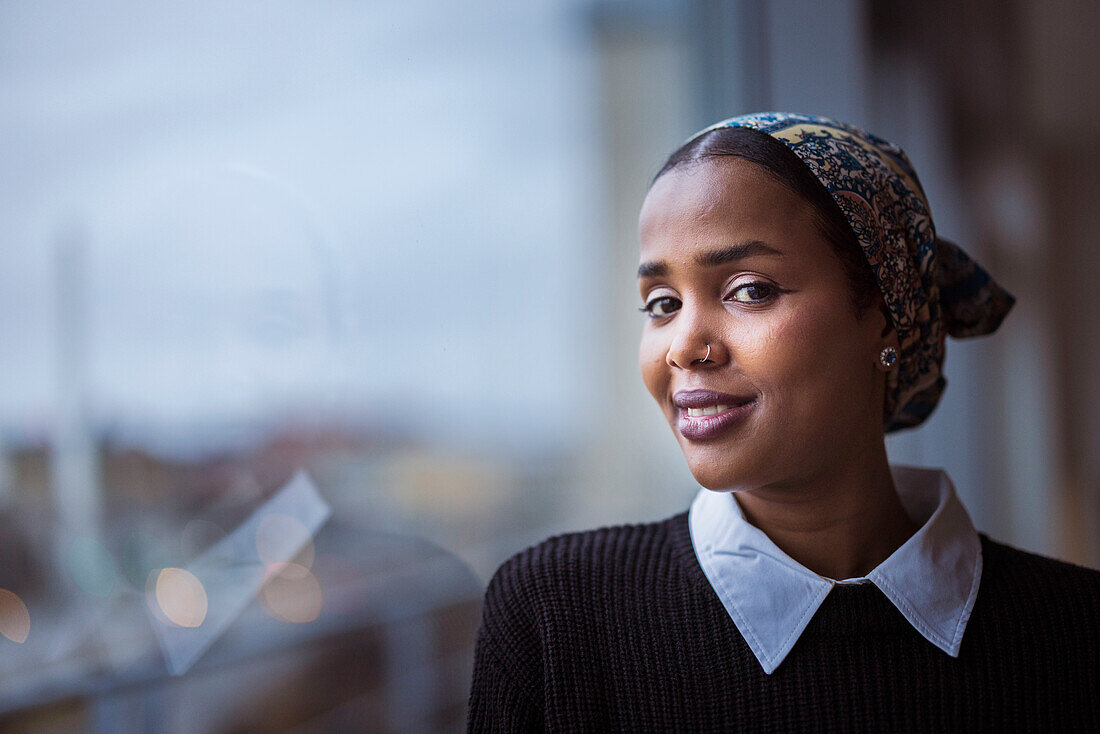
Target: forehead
718	201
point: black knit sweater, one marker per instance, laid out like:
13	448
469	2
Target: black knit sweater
618	629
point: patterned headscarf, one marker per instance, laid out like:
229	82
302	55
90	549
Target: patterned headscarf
930	286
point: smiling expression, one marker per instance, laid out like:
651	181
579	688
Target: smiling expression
734	261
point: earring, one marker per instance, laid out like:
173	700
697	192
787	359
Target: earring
888	357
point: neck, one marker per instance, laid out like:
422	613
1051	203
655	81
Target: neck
839	525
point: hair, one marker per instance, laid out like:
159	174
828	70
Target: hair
788	169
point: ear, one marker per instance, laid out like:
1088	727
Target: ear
881	334
888	334
888	343
878	325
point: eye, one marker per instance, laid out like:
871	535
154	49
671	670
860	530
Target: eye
758	291
661	306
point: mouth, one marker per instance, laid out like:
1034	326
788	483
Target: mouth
706	414
711	410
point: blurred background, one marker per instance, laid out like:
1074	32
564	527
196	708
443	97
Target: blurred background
313	313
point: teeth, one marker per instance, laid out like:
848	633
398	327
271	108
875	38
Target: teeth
712	410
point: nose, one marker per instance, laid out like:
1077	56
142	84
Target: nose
694	345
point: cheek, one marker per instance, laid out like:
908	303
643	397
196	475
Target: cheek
654	369
800	358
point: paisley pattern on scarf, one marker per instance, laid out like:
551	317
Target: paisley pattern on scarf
930	286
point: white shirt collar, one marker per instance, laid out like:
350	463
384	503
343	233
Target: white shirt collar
932	578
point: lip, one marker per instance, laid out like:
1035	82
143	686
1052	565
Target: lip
705	427
707	398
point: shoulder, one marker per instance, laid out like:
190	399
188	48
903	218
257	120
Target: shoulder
1010	559
566	563
550	590
1016	577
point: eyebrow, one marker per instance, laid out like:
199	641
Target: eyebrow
713	258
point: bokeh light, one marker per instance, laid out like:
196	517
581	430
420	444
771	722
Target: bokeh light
91	566
15	619
180	597
291	593
276	533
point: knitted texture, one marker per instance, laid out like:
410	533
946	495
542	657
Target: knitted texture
618	629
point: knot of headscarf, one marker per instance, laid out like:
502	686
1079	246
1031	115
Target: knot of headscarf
929	285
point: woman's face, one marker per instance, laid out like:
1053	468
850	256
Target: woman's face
791	389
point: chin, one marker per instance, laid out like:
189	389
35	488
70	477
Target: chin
747	460
742	457
718	483
720	470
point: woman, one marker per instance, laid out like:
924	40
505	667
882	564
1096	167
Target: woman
797	299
